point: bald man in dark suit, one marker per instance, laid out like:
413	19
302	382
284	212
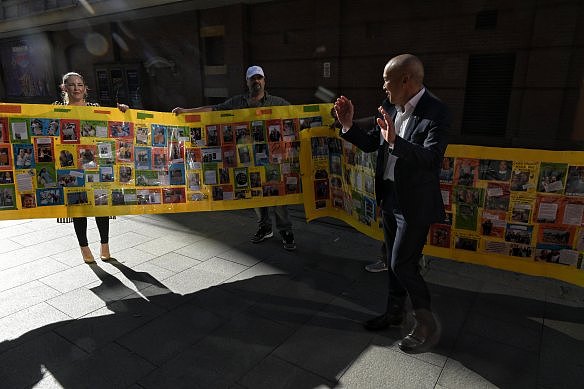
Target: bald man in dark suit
410	138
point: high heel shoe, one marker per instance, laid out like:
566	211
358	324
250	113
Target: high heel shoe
87	255
105	253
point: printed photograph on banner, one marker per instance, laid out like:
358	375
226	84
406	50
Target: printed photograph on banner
521	212
91	177
198	196
46	175
39	127
211	154
224	177
496	247
440	235
176	152
242	194
335	164
159	158
575	181
124	151
261	154
196	136
121	130
273	174
164	178
100	197
336	182
217	193
446	192
448	218
194	180
556	254
142	133
125	174
6	177
466	171
194	158
106	174
554	234
7	197
70	131
70	178
366	160
50	196
124	197
493	224
177	134
44	149
518	233
242	133
5	156
272	189
319	147
321	189
229	156
227	134
87	156
469	195
313	121
173	195
521	251
93	129
547	208
77	198
158	135
466	242
25	180
580	239
228	193
258	131
148	178
349	151
4	136
244	155
177	174
106	152
369	210
27	200
552	177
210	174
290	167
572	211
292	183
276	152
143	158
290	129
23	156
338	199
148	196
447	170
274	130
466	217
19	130
523	176
498	196
292	151
212	135
369	184
495	170
335	146
255	178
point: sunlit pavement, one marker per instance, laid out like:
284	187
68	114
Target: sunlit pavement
189	302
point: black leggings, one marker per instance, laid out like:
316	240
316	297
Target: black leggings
80	225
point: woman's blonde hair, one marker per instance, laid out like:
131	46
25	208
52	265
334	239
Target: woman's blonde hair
64	95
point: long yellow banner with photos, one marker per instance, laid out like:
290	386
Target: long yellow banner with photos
65	161
513	209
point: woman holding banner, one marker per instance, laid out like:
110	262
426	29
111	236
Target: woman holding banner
74	92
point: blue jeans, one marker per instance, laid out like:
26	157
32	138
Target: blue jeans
283	222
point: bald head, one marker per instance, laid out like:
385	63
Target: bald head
403	78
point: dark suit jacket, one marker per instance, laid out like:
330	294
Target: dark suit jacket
420	152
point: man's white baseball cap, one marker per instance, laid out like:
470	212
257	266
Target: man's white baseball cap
254	70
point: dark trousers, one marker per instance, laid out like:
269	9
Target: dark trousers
80	225
404	244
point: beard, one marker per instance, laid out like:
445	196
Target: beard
256	89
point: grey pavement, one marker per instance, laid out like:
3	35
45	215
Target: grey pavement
189	302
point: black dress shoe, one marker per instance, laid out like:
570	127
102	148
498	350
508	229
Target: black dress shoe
384	321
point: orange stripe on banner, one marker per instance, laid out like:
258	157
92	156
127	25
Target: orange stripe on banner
10	108
263	111
102	111
192	118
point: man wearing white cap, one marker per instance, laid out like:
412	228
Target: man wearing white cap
257	97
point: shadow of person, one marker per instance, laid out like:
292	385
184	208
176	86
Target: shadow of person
297	331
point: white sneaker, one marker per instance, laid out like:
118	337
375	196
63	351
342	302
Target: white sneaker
376	267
